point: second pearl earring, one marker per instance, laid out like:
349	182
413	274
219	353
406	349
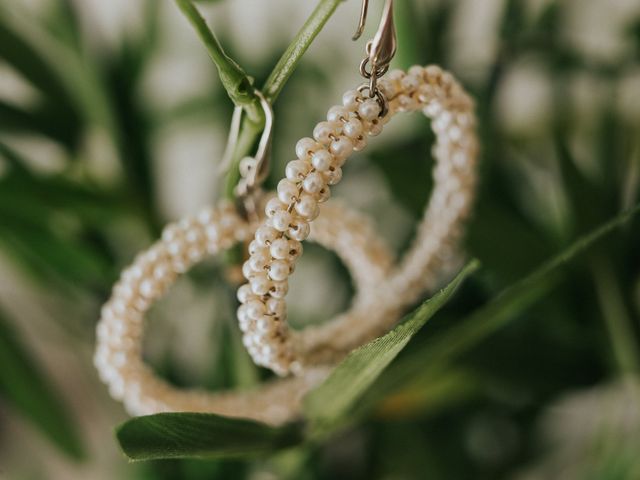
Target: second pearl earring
363	113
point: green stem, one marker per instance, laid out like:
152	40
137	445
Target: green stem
233	78
250	130
291	57
616	317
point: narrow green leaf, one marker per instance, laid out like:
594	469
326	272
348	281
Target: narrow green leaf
201	435
332	401
27	389
25	58
437	355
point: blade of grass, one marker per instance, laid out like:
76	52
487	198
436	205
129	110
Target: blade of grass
432	360
330	404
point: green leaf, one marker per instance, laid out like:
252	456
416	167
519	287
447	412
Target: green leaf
202	435
27	389
434	357
331	402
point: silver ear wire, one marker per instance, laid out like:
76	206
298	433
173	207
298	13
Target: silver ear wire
380	49
249	185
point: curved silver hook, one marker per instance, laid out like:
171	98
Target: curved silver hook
382	48
259	174
362	21
232	141
249	186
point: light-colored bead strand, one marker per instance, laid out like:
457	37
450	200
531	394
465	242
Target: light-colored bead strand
349	234
118	356
319	165
451	110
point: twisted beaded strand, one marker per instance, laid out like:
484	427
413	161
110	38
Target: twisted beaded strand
118	355
319	166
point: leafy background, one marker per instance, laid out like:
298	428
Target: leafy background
112	122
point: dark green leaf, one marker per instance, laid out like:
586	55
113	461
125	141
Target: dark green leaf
202	435
27	389
332	401
437	355
18	52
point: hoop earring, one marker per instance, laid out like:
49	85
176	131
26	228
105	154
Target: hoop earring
120	331
363	113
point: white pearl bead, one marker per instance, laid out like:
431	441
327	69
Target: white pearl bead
297	169
266	234
255	247
244	293
353	128
276	306
279	289
305	147
260	284
265	326
396	74
259	261
342	147
321	160
295	248
417	71
147	289
313	183
170	233
299	230
410	83
287	191
334	176
247	164
280	249
255	309
359	143
213	232
279	270
323	195
281	220
351	98
307	207
273	205
336	113
247	270
375	128
369	109
324	131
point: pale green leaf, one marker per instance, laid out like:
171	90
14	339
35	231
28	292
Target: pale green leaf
332	401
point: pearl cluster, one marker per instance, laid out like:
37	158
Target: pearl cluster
277	242
118	355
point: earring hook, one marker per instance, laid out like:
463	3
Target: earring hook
248	186
382	48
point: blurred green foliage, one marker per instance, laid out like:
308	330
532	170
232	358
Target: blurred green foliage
441	410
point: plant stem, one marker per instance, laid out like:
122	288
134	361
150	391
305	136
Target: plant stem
251	130
290	58
233	78
616	317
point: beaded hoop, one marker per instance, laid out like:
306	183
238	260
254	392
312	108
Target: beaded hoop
307	182
118	355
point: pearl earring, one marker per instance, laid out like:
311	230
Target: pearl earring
363	113
118	355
